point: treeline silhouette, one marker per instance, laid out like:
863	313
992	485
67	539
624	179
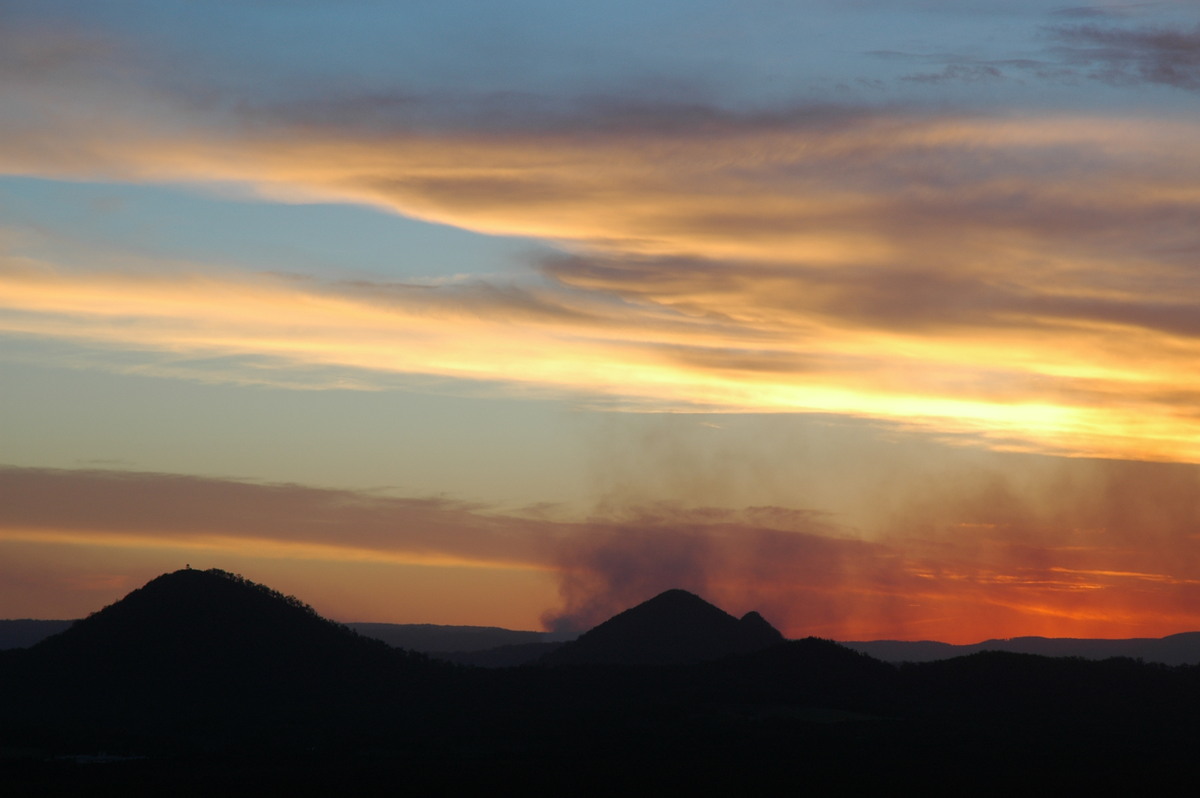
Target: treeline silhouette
204	681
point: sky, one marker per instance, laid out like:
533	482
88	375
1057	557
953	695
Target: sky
879	317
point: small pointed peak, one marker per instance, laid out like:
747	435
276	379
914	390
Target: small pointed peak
760	626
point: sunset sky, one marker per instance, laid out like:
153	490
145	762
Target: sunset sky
880	317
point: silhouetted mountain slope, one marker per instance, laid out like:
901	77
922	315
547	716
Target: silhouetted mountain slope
222	686
204	624
673	627
423	637
810	672
211	650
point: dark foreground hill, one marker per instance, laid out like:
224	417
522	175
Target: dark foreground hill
204	683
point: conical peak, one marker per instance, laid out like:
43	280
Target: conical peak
755	624
673	627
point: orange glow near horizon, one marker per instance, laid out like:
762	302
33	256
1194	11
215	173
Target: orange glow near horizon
261	548
92	571
1081	549
907	600
964	613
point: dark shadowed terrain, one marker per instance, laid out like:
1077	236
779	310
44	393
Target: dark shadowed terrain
204	682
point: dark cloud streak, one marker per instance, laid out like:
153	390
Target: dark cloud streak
1159	56
175	508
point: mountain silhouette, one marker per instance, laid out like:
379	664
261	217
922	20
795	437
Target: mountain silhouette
192	622
205	681
210	649
675	627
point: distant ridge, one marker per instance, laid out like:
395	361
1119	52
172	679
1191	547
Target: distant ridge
1177	649
26	632
675	627
437	638
496	647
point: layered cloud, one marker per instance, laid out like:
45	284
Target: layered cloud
1025	278
1030	280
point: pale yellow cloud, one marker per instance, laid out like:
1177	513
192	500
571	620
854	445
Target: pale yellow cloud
220	545
1010	387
